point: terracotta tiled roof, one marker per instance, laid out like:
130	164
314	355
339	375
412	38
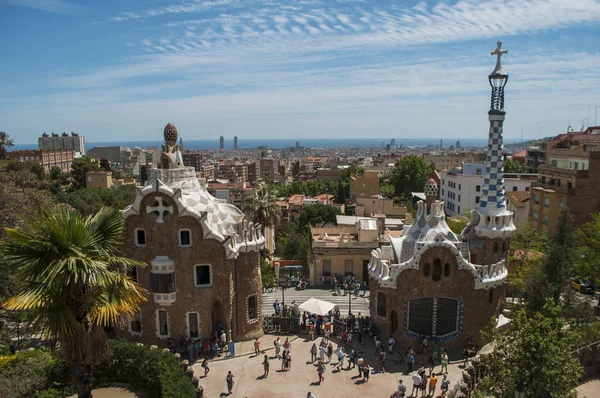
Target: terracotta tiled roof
518	198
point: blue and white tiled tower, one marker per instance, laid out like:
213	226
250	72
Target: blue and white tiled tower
491	219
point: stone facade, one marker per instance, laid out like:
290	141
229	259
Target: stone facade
432	283
203	258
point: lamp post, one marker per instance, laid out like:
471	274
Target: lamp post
350	301
284	283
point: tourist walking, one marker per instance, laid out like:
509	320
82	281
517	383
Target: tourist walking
229	381
287	345
321	371
322	350
266	365
284	360
381	361
352	359
410	361
425	342
416	379
359	364
289	360
277	344
205	366
365	370
432	385
313	353
391	343
401	389
341	355
329	352
256	347
445	385
444	362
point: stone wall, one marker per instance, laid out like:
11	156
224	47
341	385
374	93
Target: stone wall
249	284
212	303
459	284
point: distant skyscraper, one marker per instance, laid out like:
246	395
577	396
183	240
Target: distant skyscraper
457	144
393	142
74	141
441	143
297	144
221	143
235	143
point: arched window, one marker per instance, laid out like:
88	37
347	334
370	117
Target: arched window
446	270
381	305
495	247
437	269
426	270
504	246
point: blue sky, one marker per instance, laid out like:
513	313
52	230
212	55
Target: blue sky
120	70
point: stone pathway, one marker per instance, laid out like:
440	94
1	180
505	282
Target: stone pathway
590	389
302	377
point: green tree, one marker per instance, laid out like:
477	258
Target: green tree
349	172
341	194
560	260
105	164
89	201
55	173
588	238
143	175
512	166
70	280
261	206
318	213
267	273
5	142
79	167
457	223
388	191
536	348
410	174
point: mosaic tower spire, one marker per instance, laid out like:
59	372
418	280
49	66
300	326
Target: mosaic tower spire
494	217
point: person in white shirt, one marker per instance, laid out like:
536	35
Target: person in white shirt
401	389
391	343
416	383
310	395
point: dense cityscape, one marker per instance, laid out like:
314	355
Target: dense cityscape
401	267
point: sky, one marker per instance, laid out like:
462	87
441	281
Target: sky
119	70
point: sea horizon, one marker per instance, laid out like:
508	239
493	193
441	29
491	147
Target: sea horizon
278	143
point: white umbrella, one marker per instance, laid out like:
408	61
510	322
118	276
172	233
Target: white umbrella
316	306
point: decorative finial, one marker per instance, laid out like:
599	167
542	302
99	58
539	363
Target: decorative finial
499	52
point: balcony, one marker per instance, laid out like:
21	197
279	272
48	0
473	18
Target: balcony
165	298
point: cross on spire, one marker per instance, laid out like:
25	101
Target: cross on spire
160	209
499	52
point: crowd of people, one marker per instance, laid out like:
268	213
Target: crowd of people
348	284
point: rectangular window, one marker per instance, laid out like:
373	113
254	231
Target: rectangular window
545	219
561	203
514	188
459	186
163	283
327	267
203	277
478	188
136	324
476	199
535	215
163	323
185	238
458	209
349	268
546	202
193	325
569	185
381	305
459	198
252	308
140	237
536	198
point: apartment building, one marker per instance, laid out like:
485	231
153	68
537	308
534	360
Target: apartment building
74	142
61	158
461	189
364	185
569	178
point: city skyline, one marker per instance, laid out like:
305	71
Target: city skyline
306	69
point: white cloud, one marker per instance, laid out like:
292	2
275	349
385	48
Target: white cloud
56	6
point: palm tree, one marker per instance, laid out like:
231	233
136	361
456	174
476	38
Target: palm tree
262	208
68	271
5	142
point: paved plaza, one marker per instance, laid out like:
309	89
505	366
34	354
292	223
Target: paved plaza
302	377
360	304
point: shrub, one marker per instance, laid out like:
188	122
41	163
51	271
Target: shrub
21	375
156	373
